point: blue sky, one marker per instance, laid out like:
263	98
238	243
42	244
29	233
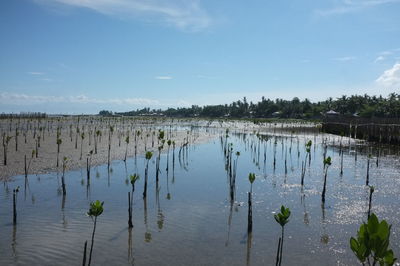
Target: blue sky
82	56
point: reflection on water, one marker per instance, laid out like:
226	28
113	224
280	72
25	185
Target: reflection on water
198	213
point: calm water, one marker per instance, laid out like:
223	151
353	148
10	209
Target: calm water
190	220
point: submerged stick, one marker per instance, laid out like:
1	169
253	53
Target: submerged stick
84	254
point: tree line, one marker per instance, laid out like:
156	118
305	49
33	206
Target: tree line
354	105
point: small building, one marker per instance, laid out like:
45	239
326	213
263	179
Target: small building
276	114
332	113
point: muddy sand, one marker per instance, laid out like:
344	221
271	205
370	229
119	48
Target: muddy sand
70	148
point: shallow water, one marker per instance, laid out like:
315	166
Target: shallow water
189	220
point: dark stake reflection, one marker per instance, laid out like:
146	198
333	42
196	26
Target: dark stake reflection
109	170
306	218
229	222
147	234
131	259
65	223
160	216
248	249
88	189
168	192
14	241
26	187
324	235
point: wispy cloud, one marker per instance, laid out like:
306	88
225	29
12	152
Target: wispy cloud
25	99
379	58
391	77
351	6
205	77
345	58
183	14
36	73
385	54
163	77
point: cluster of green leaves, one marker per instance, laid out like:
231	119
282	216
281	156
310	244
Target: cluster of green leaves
134	178
65	160
308	146
149	154
372	242
96	208
161	135
282	218
327	161
252	177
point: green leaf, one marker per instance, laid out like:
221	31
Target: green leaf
96	208
373	224
354	245
252	177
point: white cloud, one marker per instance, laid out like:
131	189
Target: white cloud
386	54
163	77
205	77
391	77
25	99
36	73
183	14
351	6
344	59
379	58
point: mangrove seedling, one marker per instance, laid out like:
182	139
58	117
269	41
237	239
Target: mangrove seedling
371	190
82	138
327	163
169	142
127	144
59	141
372	243
15	193
282	219
6	141
16	138
110	132
133	179
252	177
95	210
367	179
158	162
304	165
88	164
96	137
63	176
148	156
27	166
